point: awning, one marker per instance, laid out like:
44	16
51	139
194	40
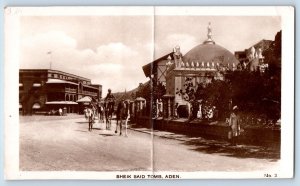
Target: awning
84	99
140	99
57	81
36	106
61	103
36	85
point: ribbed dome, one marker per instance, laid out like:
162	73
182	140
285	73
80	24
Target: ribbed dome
212	53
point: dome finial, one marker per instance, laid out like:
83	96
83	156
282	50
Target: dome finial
209	35
209	31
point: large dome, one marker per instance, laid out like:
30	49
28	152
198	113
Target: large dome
211	53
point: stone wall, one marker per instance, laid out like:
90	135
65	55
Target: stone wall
257	136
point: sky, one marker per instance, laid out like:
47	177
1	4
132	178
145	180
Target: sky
111	50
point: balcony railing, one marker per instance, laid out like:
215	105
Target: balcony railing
89	93
72	90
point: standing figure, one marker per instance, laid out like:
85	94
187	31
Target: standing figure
109	108
101	112
123	115
60	111
85	113
118	116
94	110
89	115
176	110
159	108
177	55
234	125
199	113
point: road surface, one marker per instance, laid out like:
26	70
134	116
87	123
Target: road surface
53	143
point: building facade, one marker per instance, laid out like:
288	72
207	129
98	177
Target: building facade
43	90
158	68
252	58
184	73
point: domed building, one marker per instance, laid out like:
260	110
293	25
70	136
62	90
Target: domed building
199	66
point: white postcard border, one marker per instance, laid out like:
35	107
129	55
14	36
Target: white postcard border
12	54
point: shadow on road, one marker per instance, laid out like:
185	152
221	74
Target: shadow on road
106	135
239	151
94	128
81	130
82	122
213	145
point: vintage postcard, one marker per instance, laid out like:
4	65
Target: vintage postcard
115	93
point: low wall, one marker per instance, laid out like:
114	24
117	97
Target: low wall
259	136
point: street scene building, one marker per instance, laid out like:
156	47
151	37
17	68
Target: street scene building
43	90
197	67
185	77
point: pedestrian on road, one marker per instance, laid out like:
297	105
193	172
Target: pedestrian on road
101	112
60	111
234	125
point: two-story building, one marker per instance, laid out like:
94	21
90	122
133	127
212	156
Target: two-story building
42	90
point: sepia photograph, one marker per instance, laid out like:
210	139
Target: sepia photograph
149	92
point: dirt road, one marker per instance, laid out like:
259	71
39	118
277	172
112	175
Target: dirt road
56	143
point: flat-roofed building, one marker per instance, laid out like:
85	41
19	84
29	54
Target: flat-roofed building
43	90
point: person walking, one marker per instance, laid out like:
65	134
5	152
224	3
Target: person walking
234	125
101	112
60	111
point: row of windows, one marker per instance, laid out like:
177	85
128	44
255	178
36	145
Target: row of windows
71	97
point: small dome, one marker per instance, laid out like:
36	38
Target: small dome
210	52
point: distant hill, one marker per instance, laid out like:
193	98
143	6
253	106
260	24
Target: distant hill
131	95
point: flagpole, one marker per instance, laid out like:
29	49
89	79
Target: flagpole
50	53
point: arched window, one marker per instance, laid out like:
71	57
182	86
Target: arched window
67	97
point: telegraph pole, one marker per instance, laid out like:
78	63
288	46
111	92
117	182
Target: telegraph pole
50	53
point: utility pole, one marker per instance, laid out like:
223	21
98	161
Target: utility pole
50	53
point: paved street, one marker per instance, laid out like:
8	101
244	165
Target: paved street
64	143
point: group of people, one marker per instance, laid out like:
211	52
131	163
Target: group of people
196	110
98	109
201	110
105	111
123	115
